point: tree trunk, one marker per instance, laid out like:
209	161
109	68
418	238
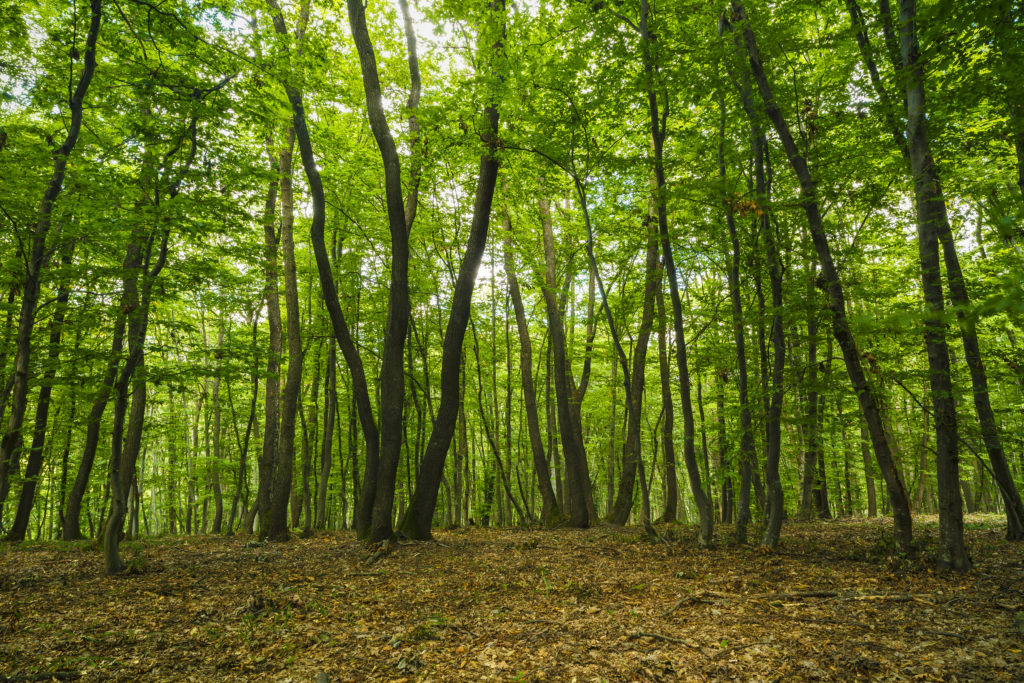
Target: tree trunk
35	456
272	385
242	481
420	513
724	467
124	453
392	380
841	329
631	450
330	409
931	212
11	442
551	513
748	455
218	494
658	132
670	513
275	525
571	447
810	463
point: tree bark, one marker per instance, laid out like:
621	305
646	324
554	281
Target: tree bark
931	212
631	450
35	456
35	260
658	119
275	526
420	513
392	379
399	291
571	447
551	513
841	329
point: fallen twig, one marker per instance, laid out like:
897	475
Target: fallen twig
670	639
46	676
736	648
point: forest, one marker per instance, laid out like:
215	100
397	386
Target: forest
275	269
668	322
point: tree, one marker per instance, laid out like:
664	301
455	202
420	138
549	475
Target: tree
834	286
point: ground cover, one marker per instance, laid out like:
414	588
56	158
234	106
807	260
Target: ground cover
606	603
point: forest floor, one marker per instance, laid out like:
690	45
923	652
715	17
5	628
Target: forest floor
604	604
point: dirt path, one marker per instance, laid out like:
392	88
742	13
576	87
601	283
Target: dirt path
602	604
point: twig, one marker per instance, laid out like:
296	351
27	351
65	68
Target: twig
683	602
46	676
947	634
736	648
703	596
659	636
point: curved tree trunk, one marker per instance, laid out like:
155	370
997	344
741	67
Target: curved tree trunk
35	456
551	513
631	451
11	442
840	325
572	449
658	120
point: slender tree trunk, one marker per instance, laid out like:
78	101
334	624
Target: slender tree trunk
126	439
392	380
748	455
821	478
631	451
931	212
218	494
420	514
571	447
275	526
35	456
773	503
869	481
272	385
841	329
670	513
724	467
658	119
551	513
330	408
397	319
810	462
11	442
242	480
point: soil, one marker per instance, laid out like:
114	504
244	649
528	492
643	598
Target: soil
603	604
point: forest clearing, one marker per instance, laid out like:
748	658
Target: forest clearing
603	604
